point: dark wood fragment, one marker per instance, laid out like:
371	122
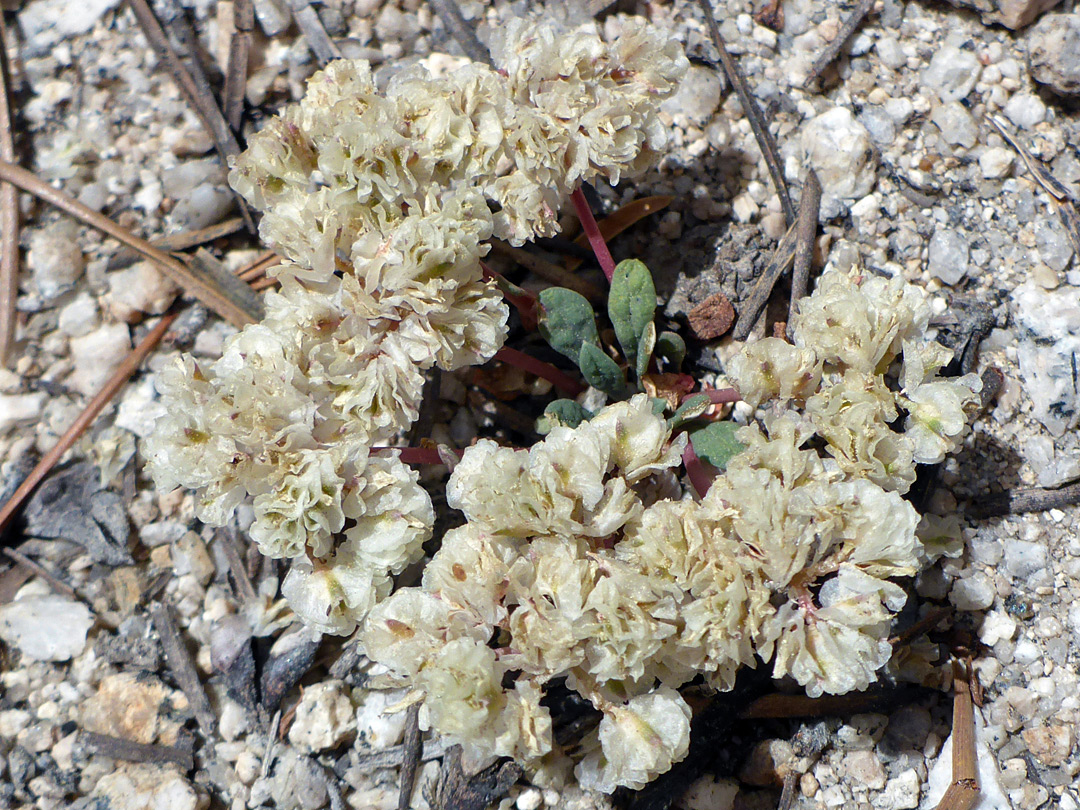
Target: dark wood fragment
771	15
236	71
183	668
309	23
413	748
38	569
806	229
130	751
290	659
1019	501
832	50
754	305
764	138
245	590
456	791
461	31
393	757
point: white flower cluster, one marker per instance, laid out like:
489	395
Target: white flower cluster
380	201
583	560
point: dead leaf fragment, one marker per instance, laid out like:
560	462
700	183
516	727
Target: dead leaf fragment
712	317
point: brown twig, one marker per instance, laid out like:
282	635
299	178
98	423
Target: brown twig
461	31
963	793
1018	501
805	231
221	300
549	271
237	70
239	571
413	749
183	668
764	138
131	751
39	570
90	412
545	371
258	267
190	239
307	20
9	213
754	305
395	756
832	50
629	214
195	88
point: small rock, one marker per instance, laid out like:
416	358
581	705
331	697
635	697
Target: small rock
189	556
767	763
1026	110
207	205
909	728
838	148
879	124
1053	46
865	768
138	290
1053	243
974	592
997	626
890	53
273	16
55	258
698	95
1051	744
324	717
139	408
529	799
995	162
956	124
1049	327
901	793
952	72
48	22
394	25
1012	14
710	793
136	707
16	409
948	255
46	627
147	787
374	725
96	356
80	317
1023	559
181	181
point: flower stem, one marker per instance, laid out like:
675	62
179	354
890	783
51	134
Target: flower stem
568	385
699	476
522	300
717	396
592	230
416	455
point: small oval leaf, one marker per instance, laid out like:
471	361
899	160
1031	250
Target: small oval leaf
716	443
601	371
631	304
672	348
567	321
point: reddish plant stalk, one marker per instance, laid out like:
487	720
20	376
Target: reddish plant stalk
416	455
592	231
699	476
568	385
522	300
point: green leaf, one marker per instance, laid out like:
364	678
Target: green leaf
567	321
561	412
601	371
631	304
716	443
645	349
694	407
672	348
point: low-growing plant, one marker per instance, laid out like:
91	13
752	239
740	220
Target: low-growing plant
585	560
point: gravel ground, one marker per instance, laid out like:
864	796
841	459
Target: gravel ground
917	181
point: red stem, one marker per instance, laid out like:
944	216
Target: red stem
416	455
699	476
592	230
525	303
568	385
